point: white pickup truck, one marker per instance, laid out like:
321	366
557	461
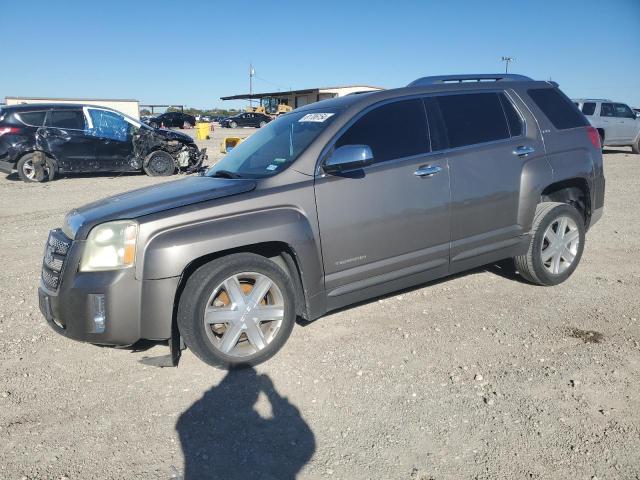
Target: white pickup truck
617	124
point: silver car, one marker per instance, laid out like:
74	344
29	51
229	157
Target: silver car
617	124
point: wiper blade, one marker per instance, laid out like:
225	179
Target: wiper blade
226	174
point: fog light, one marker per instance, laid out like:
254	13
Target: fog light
98	312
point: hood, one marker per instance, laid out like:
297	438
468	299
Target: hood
173	135
154	199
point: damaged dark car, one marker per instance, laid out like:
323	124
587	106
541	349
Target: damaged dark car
41	141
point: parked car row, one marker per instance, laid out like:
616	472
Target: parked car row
42	140
246	119
618	125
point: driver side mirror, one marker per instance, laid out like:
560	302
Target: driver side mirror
348	157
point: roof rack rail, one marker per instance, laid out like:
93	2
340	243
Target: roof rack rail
480	77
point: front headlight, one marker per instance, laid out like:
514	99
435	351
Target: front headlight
110	246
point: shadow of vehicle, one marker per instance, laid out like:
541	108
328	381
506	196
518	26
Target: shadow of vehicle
224	437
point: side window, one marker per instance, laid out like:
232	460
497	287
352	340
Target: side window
623	111
513	119
394	130
589	108
559	110
33	119
606	110
109	125
72	119
473	118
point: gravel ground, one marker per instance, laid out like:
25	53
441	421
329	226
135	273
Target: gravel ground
475	376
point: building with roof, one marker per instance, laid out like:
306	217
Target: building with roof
299	98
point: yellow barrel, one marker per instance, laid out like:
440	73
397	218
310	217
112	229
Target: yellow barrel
229	143
202	130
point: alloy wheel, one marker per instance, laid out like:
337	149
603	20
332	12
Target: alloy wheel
244	314
560	245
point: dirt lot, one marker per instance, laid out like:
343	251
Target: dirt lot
476	376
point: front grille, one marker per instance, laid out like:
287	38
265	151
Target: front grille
55	252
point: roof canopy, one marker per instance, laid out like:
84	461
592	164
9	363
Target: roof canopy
251	96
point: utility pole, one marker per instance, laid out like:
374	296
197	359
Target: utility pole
252	73
506	61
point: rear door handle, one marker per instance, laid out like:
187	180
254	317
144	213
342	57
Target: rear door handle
523	151
427	171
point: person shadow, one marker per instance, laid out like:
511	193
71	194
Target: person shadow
224	437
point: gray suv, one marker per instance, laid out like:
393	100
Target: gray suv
617	124
332	204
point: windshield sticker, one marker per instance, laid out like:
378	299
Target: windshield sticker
272	167
315	117
279	160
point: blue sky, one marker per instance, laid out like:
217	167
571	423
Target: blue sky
196	51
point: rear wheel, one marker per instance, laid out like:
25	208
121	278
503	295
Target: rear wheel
160	164
636	147
237	311
28	172
262	124
557	242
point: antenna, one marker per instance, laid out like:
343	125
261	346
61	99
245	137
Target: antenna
506	61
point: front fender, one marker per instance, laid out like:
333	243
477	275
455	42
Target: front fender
169	253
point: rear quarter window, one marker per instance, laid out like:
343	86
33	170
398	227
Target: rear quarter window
33	119
589	108
560	111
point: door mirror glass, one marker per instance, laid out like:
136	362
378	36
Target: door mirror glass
349	157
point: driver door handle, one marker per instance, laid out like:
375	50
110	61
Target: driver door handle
427	171
523	151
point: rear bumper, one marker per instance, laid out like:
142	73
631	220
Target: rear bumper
7	167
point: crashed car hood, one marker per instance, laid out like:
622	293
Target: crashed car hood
157	198
173	135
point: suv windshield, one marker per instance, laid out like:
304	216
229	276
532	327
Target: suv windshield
274	147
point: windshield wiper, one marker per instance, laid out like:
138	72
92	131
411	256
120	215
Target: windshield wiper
226	174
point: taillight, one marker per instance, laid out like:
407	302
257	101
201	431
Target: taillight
594	136
9	130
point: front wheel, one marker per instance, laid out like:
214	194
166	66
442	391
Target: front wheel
237	311
159	164
556	246
233	125
636	147
262	124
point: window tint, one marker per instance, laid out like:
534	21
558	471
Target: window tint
623	111
73	119
559	110
34	119
473	118
606	110
394	130
108	125
513	119
589	108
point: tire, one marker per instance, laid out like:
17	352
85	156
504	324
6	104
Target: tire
601	133
199	294
535	266
27	174
159	164
233	125
262	124
635	148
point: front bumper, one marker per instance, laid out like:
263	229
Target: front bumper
71	309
